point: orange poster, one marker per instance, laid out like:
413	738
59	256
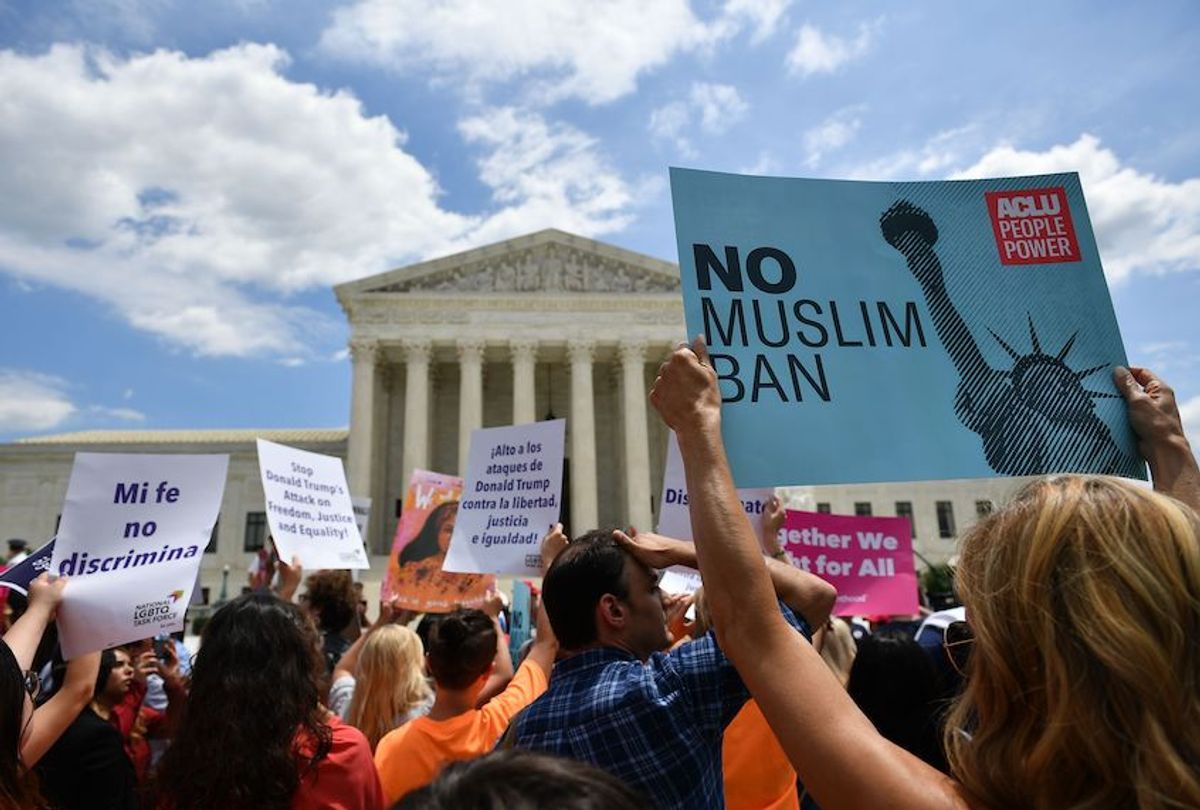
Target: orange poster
415	580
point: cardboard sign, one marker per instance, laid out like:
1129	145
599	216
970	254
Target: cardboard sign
857	326
132	533
415	580
309	508
27	570
511	498
868	559
674	520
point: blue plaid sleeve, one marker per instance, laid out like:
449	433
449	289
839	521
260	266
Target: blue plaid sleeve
712	686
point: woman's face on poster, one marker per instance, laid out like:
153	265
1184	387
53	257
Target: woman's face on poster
445	530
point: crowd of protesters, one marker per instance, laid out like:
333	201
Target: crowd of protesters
1073	683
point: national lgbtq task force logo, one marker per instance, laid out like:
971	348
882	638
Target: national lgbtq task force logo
161	610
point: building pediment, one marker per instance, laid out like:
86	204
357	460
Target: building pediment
545	262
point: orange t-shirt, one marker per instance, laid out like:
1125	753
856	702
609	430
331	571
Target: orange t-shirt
412	756
758	775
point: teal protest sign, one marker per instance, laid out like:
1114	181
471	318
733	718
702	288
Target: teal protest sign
903	331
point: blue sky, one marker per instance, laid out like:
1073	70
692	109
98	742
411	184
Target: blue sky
184	182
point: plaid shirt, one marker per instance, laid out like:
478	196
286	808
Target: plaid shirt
657	725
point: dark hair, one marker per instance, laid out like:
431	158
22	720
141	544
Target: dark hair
581	574
462	645
898	688
425	544
18	786
108	662
523	780
425	627
253	722
330	595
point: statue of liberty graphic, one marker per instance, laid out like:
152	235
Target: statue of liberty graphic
1035	417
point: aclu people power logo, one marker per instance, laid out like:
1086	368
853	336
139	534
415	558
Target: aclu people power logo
157	612
1033	226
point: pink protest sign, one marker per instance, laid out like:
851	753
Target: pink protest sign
868	559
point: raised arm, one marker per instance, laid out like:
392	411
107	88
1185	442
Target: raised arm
1154	417
502	669
52	717
836	751
545	644
348	663
809	596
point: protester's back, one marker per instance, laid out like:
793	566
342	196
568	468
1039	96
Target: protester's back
255	733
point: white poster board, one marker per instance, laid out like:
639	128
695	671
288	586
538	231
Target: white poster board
132	535
511	498
309	508
674	520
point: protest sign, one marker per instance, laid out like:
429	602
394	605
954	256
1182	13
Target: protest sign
362	519
674	520
856	327
512	496
27	570
868	559
521	625
132	533
309	508
415	580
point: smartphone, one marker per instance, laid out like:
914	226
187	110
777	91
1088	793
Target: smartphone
160	649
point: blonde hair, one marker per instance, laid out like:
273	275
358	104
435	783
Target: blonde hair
1083	687
389	683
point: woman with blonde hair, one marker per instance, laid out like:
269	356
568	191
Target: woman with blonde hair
1083	684
390	687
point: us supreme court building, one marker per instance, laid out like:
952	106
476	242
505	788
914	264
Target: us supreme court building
548	325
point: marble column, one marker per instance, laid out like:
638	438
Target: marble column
470	395
524	362
582	425
416	408
363	354
637	441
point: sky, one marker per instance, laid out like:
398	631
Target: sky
182	183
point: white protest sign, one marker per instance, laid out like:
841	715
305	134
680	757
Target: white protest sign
309	508
131	537
362	518
512	496
674	520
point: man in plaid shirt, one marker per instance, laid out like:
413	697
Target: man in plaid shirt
653	718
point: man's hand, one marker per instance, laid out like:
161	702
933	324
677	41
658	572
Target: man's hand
46	593
655	550
553	543
773	519
685	393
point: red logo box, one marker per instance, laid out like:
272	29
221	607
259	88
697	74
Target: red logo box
1033	226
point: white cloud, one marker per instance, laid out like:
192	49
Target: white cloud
764	15
32	402
544	175
831	134
194	196
1143	224
818	52
592	51
119	414
716	106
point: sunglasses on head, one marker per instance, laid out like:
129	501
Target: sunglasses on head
957	639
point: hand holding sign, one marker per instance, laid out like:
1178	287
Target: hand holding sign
685	393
